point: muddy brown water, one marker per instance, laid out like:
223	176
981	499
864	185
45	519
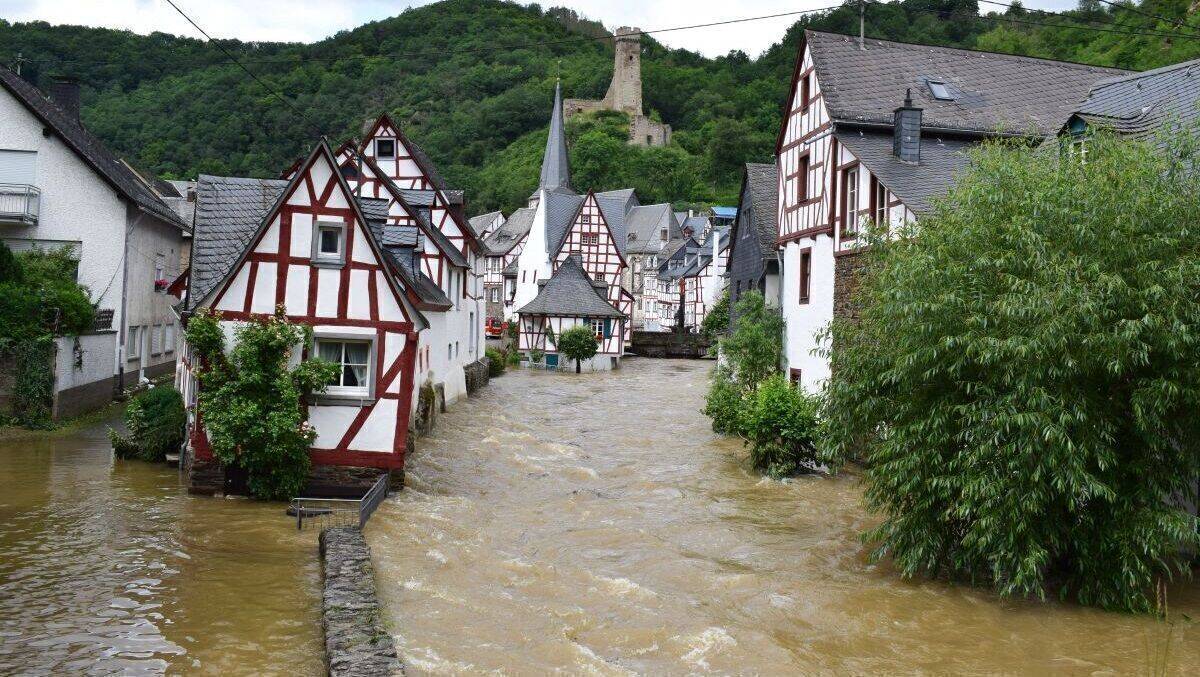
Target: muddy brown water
594	525
109	567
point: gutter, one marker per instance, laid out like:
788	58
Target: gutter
944	131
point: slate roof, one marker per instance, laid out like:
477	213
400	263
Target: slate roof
478	223
511	269
375	209
426	290
762	189
504	238
571	293
560	210
916	186
1139	104
993	91
698	224
645	223
556	164
89	148
229	211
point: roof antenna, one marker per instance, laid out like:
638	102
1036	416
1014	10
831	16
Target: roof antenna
862	24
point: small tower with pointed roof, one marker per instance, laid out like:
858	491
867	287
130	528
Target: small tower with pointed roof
556	164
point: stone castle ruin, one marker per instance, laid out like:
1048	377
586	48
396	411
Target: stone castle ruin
625	92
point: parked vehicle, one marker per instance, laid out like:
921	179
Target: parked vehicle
495	327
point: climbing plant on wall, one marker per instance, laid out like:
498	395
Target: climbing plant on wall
252	399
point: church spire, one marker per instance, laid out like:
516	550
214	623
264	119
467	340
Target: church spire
556	167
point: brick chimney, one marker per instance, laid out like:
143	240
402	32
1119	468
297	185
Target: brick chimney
64	91
906	130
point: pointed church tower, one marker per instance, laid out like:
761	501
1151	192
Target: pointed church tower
556	165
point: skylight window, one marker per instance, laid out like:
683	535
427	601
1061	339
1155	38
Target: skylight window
940	91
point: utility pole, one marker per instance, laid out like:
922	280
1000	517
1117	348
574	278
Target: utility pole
18	61
862	24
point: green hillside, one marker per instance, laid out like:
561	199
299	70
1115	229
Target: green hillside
472	82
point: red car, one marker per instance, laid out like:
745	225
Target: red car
494	327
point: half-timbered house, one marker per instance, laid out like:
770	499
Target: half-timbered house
752	261
572	298
504	245
874	131
310	246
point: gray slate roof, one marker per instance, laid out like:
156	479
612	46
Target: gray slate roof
762	190
1139	104
561	209
90	149
504	238
478	223
571	293
993	91
556	165
229	211
916	186
427	291
698	224
645	224
375	209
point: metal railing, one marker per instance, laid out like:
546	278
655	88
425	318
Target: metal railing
19	203
339	512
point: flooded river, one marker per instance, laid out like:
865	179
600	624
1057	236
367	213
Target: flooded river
109	567
594	524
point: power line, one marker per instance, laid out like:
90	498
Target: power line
451	52
299	113
1178	23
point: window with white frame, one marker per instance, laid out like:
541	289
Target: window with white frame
385	148
156	340
133	344
353	358
494	295
598	328
169	338
851	183
329	242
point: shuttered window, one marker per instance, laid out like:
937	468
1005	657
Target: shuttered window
18	166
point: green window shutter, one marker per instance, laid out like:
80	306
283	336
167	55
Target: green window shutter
608	329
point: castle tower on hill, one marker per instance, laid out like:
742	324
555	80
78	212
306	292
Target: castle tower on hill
625	92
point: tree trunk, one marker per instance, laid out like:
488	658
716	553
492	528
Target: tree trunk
577	366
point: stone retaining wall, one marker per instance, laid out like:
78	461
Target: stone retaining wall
668	344
476	374
356	643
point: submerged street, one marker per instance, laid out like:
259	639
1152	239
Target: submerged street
594	524
587	524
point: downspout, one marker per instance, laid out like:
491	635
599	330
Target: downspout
118	386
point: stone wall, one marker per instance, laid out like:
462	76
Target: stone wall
356	642
668	344
847	272
476	374
625	92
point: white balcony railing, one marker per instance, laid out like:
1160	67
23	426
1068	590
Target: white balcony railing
19	203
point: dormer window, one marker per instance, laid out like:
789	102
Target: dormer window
940	91
662	235
329	243
385	148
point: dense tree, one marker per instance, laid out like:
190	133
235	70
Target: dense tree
1023	377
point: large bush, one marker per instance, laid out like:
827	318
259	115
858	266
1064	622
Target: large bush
724	403
155	419
780	424
754	350
496	361
1024	376
251	399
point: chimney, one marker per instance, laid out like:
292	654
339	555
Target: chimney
906	130
64	91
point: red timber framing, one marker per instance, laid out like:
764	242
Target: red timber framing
591	238
409	169
358	300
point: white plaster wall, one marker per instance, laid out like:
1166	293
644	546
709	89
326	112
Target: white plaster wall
151	241
802	323
96	364
534	262
76	205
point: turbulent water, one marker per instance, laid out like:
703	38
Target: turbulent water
109	567
594	524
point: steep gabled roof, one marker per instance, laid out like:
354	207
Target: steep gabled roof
514	228
760	199
991	91
571	293
401	196
481	221
556	165
426	294
560	210
91	150
942	159
1139	104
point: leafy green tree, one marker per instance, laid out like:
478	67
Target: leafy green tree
716	322
577	343
781	425
754	350
1023	376
155	420
252	401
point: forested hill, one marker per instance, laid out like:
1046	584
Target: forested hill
472	81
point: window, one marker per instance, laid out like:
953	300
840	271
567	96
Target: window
879	202
794	376
133	344
805	274
494	295
805	92
851	202
493	264
598	328
456	348
637	280
940	91
169	338
354	360
449	351
385	148
329	243
662	235
591	239
156	340
801	181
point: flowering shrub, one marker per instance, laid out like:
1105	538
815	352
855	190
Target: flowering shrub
252	401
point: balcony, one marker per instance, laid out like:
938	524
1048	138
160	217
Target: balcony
19	204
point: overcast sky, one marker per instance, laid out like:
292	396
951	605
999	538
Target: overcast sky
311	20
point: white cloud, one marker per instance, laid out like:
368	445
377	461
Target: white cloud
311	20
